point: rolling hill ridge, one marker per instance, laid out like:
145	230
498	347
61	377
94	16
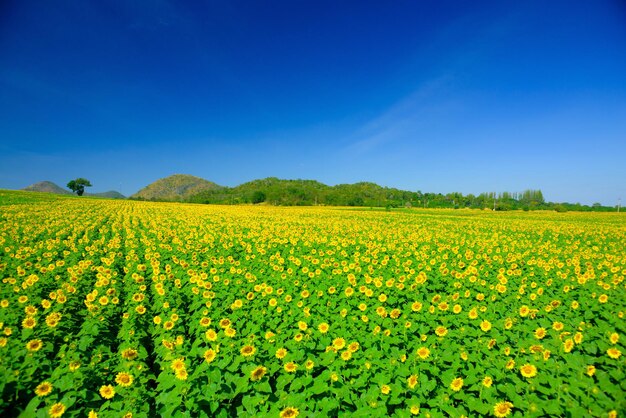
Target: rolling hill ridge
50	187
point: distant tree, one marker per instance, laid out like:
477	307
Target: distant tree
258	197
78	185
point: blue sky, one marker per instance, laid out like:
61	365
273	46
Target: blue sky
433	96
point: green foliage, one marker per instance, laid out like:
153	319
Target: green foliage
258	197
78	185
279	192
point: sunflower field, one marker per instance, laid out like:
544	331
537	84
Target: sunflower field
140	309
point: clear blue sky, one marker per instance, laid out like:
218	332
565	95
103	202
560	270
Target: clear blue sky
437	96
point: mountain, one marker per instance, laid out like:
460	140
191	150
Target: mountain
178	187
46	187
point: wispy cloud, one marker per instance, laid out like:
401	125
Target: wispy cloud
405	118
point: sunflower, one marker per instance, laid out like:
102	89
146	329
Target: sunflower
230	332
578	338
281	353
34	345
540	333
346	355
124	379
423	352
339	343
528	370
107	392
614	338
168	325
129	354
416	306
353	346
456	384
614	353
178	364
524	311
43	389
211	335
209	355
181	374
508	323
441	331
568	345
485	325
247	350
258	373
591	370
510	364
473	313
291	367
557	326
412	381
502	409
289	412
56	410
385	389
487	381
53	319
29	322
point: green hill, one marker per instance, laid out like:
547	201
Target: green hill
46	187
276	191
178	187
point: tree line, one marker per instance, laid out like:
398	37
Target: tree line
279	192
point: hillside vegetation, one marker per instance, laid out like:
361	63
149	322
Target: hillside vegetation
274	191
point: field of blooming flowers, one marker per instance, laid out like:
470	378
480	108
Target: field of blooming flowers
120	308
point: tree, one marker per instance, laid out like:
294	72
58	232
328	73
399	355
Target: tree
258	197
78	185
